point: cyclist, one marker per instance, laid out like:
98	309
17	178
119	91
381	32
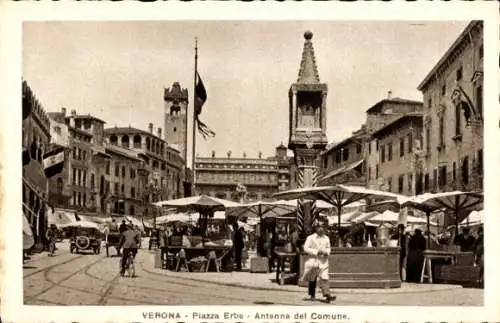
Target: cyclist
50	235
129	241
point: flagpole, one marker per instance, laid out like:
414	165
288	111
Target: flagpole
193	155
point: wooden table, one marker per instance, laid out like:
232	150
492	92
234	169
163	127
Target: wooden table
437	254
280	270
192	252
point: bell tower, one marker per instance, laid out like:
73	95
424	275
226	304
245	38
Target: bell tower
176	102
307	128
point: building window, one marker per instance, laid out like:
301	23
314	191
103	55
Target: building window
84	182
132	191
376	144
479	100
426	182
325	162
401	147
481	51
465	171
358	149
369	147
442	176
459	73
401	180
132	210
441	132
382	154
389	157
74	152
84	199
79	197
116	190
458	120
74	175
410	143
117	170
428	139
59	185
74	198
346	154
454	171
79	172
132	173
429	103
107	167
92	181
410	183
123	171
389	184
84	155
376	171
443	90
338	157
480	161
123	188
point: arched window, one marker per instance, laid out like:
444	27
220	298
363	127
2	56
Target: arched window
113	139
148	144
123	171
137	141
92	180
117	170
125	142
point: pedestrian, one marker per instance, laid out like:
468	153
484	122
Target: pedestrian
465	240
238	245
129	241
139	233
479	254
163	242
50	236
415	257
123	226
317	245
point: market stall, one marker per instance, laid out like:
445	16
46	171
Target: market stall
353	267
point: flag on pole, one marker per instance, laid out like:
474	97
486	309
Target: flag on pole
199	100
53	162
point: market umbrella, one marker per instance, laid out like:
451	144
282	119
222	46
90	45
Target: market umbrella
82	224
205	205
475	218
337	195
61	218
393	218
456	202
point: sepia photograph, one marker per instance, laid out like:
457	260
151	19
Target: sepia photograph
202	163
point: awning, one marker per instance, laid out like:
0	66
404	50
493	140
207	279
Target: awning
342	170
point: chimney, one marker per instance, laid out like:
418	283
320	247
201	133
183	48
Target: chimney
159	132
63	111
389	95
150	127
213	153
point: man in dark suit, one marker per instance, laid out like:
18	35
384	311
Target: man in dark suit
238	245
129	241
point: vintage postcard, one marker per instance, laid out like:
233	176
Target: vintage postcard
264	162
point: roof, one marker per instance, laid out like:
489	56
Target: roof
378	106
80	131
343	169
461	38
394	123
176	93
122	152
86	116
129	131
308	72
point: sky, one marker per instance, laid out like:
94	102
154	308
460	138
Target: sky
117	71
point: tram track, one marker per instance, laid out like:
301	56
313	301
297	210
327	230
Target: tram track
46	271
52	266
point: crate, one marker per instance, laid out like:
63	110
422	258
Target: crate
456	273
259	265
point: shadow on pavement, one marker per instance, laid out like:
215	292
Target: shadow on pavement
263	303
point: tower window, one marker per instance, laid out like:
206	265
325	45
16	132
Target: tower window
175	129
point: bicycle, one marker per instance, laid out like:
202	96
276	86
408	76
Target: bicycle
129	264
52	248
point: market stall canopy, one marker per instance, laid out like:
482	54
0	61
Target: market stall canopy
263	209
201	203
28	239
475	218
393	218
186	217
61	218
82	224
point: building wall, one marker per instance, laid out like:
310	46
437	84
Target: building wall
220	176
36	138
454	153
395	171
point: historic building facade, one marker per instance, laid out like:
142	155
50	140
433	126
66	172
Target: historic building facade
81	185
36	139
219	176
163	164
453	109
396	149
176	104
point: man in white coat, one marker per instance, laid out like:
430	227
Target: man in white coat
318	246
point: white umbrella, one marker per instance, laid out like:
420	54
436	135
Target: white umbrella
263	209
475	218
337	195
200	203
393	218
61	218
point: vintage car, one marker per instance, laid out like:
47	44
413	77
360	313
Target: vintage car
85	238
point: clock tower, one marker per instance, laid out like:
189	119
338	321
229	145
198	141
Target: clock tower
307	128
